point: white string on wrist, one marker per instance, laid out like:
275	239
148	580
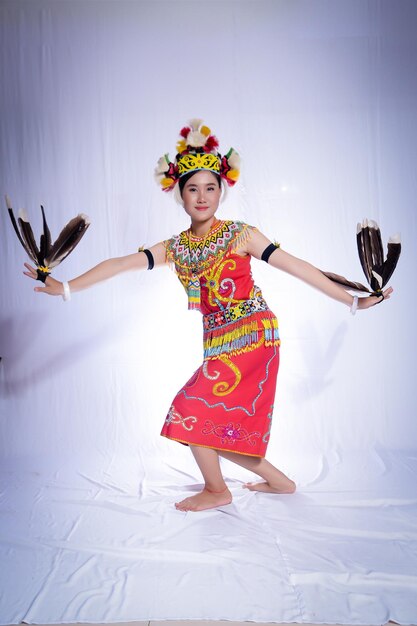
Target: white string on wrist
354	306
67	292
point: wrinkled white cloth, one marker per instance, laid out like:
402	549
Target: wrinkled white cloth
341	550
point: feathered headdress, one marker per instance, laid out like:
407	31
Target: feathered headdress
197	150
371	254
48	255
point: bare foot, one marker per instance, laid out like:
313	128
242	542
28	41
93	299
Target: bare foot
205	500
287	487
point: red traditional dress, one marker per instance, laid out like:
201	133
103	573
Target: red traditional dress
228	402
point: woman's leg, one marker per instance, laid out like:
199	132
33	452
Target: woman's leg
215	492
275	480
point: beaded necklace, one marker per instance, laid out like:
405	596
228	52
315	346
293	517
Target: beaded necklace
196	266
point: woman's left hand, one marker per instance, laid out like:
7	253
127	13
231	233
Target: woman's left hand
368	301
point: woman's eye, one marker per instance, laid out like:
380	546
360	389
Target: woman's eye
210	188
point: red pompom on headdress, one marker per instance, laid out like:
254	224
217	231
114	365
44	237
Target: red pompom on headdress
184	131
211	143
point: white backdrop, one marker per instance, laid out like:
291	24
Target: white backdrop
320	100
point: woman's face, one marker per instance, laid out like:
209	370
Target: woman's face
201	196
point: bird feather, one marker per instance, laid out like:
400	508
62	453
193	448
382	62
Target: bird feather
393	254
344	282
29	238
377	249
17	231
364	250
378	278
371	253
45	242
68	238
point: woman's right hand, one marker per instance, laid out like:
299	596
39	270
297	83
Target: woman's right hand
52	287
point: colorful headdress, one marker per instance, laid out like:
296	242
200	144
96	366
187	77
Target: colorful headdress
197	150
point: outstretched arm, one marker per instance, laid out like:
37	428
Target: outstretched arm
307	272
102	271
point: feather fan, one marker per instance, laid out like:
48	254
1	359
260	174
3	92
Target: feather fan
371	255
48	255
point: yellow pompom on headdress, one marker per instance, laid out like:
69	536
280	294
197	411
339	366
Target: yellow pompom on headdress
197	150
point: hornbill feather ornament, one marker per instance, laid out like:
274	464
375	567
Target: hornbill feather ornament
48	255
371	254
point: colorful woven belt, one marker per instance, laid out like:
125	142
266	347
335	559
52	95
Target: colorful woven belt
211	321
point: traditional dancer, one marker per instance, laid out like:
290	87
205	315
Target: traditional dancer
226	407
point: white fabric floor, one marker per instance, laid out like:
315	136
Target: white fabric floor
341	550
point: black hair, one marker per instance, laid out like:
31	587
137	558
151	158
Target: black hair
187	176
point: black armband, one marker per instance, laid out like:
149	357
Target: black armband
151	261
268	251
378	294
42	272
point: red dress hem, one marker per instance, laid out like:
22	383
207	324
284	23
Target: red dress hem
200	445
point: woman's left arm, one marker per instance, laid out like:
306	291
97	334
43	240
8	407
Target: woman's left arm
308	273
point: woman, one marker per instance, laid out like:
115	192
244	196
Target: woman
226	408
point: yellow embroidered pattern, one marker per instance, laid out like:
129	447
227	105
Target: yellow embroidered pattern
223	388
214	285
204	161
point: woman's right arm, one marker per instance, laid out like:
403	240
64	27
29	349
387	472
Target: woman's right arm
102	271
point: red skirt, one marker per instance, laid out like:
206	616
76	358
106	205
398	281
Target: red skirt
228	402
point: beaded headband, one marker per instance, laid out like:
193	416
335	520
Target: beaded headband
197	150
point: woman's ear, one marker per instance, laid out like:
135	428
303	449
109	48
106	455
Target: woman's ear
224	190
177	195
